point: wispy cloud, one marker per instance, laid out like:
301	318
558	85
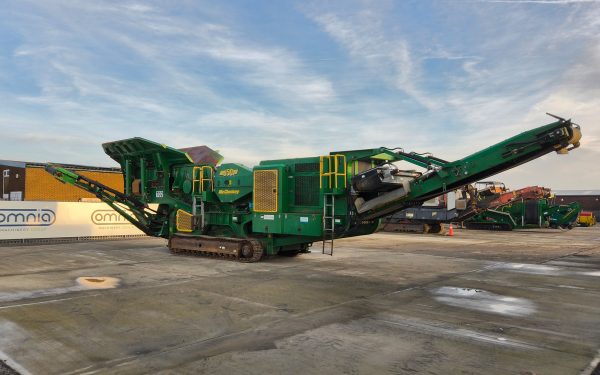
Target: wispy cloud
363	35
270	80
68	47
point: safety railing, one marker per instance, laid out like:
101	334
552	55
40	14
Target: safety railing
201	177
331	168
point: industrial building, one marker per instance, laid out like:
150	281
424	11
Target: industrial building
27	181
588	199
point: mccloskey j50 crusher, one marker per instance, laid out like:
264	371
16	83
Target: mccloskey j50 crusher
283	206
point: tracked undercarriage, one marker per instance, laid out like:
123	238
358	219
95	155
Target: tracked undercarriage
408	227
246	250
488	226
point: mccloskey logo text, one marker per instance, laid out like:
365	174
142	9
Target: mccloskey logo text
27	217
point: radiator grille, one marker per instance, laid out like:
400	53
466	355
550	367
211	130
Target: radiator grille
265	190
307	167
307	191
185	221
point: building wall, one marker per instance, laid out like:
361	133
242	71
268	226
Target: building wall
587	202
15	182
22	221
41	186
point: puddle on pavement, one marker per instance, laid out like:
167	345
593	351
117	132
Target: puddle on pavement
482	300
98	282
591	273
538	269
541	269
82	283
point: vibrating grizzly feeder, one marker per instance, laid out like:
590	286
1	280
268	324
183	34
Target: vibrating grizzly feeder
283	206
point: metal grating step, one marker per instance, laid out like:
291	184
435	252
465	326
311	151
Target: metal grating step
6	369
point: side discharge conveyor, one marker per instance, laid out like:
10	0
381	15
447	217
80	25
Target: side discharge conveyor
466	204
454	206
527	212
204	206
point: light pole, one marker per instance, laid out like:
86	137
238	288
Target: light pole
5	173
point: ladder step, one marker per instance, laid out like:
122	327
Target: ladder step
328	220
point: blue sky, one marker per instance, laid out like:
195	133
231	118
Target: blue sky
261	80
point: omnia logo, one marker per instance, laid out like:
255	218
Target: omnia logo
107	217
26	217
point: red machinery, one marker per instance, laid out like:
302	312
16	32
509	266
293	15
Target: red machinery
529	192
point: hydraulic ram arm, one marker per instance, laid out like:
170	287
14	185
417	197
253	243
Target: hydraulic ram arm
560	136
136	212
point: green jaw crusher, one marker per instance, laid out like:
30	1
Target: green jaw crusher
283	206
527	213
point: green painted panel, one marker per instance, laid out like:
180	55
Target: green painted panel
267	223
232	182
303	224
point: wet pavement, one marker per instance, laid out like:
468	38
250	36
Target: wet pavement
477	303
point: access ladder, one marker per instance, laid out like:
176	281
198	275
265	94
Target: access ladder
328	223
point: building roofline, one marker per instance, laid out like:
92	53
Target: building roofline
576	192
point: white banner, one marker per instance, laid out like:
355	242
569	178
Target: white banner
31	219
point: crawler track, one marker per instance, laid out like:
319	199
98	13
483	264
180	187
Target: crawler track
489	226
243	250
6	369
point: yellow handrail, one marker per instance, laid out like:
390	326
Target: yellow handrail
336	161
209	179
202	179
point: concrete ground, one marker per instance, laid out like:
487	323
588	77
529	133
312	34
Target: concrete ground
476	303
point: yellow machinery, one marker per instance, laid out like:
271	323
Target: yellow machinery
586	219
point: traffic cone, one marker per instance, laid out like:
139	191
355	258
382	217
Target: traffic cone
451	231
